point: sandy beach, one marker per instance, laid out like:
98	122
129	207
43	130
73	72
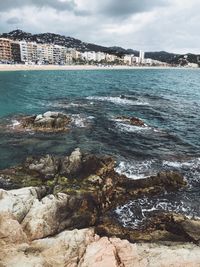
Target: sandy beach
4	67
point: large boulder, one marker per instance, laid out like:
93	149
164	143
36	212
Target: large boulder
18	202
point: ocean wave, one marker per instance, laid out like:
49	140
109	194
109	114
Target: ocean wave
134	213
81	121
67	105
190	164
136	169
118	100
125	127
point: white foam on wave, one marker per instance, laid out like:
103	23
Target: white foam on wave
195	163
15	123
135	212
137	169
118	100
125	127
81	121
67	105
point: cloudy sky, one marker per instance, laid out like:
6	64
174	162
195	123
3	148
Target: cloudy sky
151	25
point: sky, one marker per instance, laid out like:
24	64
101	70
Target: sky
150	25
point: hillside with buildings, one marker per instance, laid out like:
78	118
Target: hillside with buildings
48	48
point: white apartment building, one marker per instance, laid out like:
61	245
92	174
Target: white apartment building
23	51
141	56
128	59
100	56
110	58
59	54
89	56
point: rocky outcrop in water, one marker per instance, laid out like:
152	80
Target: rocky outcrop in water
47	122
132	121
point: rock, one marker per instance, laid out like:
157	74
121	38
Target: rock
46	167
53	214
95	179
176	255
51	114
47	122
38	117
71	166
18	202
43	218
132	121
111	253
192	229
11	231
65	249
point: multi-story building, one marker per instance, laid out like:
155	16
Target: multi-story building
15	49
59	54
89	56
141	56
23	51
100	56
128	60
110	57
5	50
49	53
32	52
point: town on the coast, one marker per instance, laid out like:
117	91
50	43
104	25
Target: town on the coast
40	52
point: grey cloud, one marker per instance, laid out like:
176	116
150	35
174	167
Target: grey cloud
125	8
6	5
14	20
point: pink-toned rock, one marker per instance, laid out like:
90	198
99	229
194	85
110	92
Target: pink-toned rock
11	231
112	252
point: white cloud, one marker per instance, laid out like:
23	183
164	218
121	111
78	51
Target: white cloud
170	25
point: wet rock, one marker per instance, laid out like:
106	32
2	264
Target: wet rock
132	121
46	167
71	166
166	180
47	122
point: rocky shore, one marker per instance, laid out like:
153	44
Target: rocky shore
58	211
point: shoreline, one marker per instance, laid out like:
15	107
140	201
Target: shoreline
20	67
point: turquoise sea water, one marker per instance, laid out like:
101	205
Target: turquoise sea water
167	100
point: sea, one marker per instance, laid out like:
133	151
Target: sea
167	100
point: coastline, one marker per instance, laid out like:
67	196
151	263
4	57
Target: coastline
20	67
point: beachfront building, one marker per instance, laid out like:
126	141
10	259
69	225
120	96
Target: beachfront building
23	51
31	52
111	58
89	56
5	50
141	56
128	59
15	49
59	54
47	53
68	57
100	56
